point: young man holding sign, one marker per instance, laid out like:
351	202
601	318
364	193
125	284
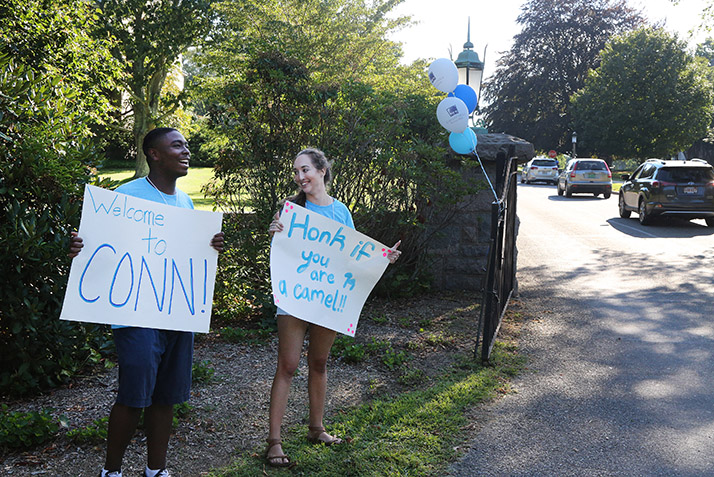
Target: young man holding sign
312	173
154	365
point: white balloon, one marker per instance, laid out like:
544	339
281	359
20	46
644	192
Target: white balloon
453	114
444	75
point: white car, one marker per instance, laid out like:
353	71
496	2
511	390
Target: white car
540	168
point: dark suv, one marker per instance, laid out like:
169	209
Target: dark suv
669	188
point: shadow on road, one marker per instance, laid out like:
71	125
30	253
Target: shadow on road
661	227
582	197
632	372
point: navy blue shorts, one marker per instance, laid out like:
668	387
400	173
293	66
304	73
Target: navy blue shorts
154	366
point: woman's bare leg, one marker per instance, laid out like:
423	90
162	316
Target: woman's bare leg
321	340
291	335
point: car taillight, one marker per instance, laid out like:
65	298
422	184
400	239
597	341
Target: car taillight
572	174
655	184
533	168
609	173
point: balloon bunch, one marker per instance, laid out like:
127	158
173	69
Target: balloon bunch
454	110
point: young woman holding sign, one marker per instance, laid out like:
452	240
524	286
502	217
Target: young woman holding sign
312	174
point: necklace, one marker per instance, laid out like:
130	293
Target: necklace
161	194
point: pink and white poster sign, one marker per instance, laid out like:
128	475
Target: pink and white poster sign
323	271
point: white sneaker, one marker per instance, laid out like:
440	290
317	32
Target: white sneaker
113	473
160	473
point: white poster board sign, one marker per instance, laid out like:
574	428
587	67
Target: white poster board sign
143	264
322	271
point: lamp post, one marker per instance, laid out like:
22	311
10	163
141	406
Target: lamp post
471	68
575	141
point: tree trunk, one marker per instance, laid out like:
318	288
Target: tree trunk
145	112
141	126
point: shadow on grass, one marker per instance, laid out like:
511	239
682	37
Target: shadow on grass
202	204
414	433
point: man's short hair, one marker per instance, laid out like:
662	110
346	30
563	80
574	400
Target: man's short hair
152	137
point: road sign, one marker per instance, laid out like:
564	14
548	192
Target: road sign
552	153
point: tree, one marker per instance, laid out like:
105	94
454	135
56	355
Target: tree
648	98
706	50
283	75
707	15
334	39
54	40
149	37
549	60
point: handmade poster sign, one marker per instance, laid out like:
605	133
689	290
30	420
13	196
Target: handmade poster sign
322	271
143	264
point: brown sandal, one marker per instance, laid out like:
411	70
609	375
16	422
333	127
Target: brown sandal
273	458
316	440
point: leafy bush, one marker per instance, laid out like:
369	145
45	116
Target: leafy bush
181	411
394	359
46	156
350	352
202	372
26	429
242	290
245	336
376	346
93	434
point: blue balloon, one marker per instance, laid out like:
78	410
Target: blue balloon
466	94
463	143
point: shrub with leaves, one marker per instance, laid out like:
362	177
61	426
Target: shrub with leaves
93	434
350	352
202	372
50	76
26	429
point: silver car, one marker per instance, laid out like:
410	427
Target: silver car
540	168
585	176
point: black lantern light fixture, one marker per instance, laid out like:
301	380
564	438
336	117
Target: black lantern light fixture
470	67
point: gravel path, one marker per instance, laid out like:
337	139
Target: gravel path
229	413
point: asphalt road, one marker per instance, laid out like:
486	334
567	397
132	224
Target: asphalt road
620	341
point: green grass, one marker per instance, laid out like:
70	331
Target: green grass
191	184
410	434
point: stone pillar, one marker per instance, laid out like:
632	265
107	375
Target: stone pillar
458	251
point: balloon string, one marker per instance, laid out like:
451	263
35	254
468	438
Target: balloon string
495	196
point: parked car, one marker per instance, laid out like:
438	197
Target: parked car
540	168
585	176
669	188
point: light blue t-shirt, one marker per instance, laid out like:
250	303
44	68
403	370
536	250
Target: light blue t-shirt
142	189
336	211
